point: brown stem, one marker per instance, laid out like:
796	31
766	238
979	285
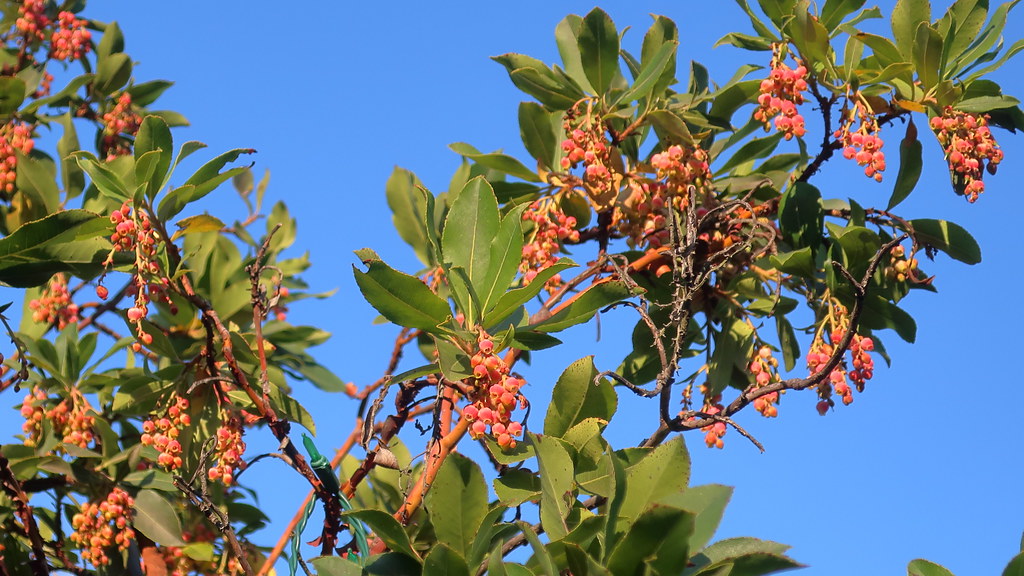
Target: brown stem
9	483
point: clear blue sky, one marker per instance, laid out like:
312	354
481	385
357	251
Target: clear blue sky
926	463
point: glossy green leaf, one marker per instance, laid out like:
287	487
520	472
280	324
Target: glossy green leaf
546	87
336	566
72	177
663	472
65	241
658	538
834	11
788	342
801	216
1015	567
810	38
36	178
506	252
982	46
443	561
406	203
470	228
457	502
911	164
907	15
111	42
106	180
879	313
928	56
510	301
12	94
153	136
567	39
922	567
670	127
496	161
156	518
662	31
577	397
516	486
112	73
385	527
452	360
538	134
201	183
882	48
540	553
585	305
556	480
201	551
948	237
152	479
651	73
402	299
745	41
599	49
708	504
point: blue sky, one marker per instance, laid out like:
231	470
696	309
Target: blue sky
926	463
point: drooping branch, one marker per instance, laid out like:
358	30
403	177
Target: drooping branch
12	487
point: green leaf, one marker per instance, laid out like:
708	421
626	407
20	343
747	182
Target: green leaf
452	360
198	223
496	161
599	49
65	241
670	127
152	479
810	38
928	56
516	486
201	551
156	518
907	15
12	94
538	134
834	11
336	566
948	237
36	177
787	342
201	183
406	203
658	539
512	300
1015	567
402	299
748	556
547	88
112	73
922	567
585	305
801	216
385	527
567	38
506	252
663	30
154	135
577	397
471	226
556	480
708	504
880	313
457	502
911	164
106	180
541	554
651	73
72	177
754	150
443	561
112	41
663	472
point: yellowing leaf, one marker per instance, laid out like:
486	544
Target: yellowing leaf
200	223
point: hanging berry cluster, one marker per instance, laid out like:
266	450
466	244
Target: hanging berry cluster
862	144
163	433
969	146
551	228
100	526
836	325
228	452
765	368
14	137
495	396
70	419
134	232
586	142
69	38
781	93
119	124
54	305
900	268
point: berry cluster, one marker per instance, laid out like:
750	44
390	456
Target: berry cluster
70	40
820	352
54	305
863	144
781	93
70	418
13	136
134	232
118	122
713	433
969	147
551	228
32	20
496	396
230	448
900	267
765	368
99	526
163	433
586	143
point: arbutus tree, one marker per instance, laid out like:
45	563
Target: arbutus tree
690	205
